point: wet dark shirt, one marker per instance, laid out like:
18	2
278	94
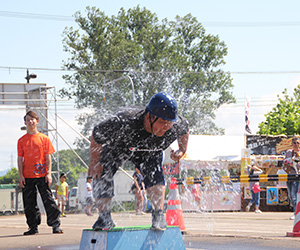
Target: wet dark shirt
124	137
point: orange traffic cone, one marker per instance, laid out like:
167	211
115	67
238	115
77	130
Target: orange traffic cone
296	229
174	215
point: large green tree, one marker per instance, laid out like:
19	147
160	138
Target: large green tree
174	56
284	117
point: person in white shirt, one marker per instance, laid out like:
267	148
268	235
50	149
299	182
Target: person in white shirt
88	194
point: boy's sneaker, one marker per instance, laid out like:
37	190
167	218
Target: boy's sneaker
158	220
63	215
258	211
57	230
104	222
292	217
31	231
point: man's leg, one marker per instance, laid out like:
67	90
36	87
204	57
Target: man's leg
103	188
157	196
155	183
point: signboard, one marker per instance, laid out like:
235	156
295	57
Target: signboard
17	93
268	145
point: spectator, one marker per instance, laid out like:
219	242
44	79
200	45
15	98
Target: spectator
139	190
254	188
292	166
34	164
61	193
88	194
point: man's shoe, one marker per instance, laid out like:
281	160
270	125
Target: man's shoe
104	222
158	220
248	208
31	231
57	230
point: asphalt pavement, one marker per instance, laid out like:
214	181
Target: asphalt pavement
269	227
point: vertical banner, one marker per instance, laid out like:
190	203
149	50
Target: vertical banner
245	160
247	112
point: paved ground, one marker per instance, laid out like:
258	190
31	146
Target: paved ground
266	226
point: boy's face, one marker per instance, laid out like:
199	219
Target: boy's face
31	122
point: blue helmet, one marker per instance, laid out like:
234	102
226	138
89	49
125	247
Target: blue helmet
164	106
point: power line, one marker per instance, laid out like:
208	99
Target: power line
35	16
148	72
208	24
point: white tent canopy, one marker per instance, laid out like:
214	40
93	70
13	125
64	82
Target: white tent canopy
212	149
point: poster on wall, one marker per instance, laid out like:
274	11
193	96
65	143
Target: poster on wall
272	195
247	193
226	199
283	198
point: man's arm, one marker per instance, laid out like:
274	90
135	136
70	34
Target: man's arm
95	168
20	167
182	144
49	167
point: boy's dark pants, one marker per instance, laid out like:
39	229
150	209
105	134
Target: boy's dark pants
31	209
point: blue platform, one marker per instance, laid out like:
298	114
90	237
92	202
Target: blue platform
132	238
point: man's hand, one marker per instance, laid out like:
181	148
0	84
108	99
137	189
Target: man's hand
176	155
22	181
48	179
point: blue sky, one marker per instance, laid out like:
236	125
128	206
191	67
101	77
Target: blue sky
262	36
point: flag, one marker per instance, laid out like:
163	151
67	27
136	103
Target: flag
247	111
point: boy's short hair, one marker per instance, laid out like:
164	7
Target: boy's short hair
63	175
31	114
89	178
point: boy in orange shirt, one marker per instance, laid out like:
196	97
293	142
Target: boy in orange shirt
34	164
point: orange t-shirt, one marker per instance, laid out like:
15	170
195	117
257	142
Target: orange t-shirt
34	148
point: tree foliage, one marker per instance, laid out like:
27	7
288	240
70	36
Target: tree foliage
11	177
174	56
70	165
284	117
